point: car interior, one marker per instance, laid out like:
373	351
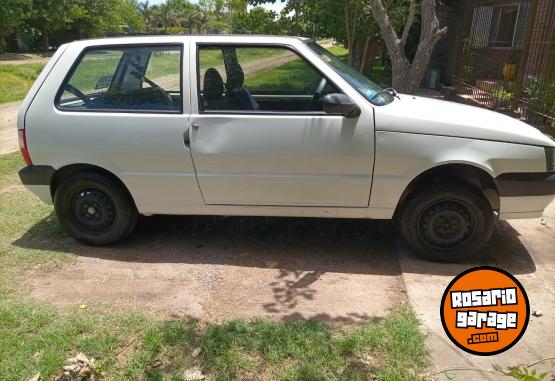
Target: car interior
305	95
128	87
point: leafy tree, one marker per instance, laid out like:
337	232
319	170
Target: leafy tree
48	16
257	21
347	21
12	15
93	18
237	5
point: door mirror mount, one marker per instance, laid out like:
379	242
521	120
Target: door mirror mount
340	104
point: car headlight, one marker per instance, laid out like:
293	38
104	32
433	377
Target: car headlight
550	158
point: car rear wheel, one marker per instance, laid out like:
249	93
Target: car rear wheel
446	223
94	209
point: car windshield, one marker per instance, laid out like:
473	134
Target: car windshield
372	92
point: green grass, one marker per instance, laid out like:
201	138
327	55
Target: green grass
339	51
16	80
36	337
214	58
309	350
295	76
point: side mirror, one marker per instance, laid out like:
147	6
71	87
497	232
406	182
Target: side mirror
340	104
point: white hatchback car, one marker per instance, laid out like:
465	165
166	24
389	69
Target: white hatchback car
267	126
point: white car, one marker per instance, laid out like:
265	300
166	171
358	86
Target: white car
267	126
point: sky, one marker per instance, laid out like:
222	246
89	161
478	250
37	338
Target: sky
277	6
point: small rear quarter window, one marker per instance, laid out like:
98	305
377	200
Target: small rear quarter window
135	78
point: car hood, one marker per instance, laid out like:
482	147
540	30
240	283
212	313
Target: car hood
418	115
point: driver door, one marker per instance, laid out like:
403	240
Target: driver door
260	136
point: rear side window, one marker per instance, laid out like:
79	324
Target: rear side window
137	78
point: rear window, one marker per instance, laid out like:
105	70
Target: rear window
137	78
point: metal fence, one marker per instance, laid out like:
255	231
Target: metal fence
507	58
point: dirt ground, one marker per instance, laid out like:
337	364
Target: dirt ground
20	58
221	268
8	127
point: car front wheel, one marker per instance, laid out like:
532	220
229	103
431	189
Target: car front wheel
94	209
446	223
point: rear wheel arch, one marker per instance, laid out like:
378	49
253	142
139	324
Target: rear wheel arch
69	170
464	174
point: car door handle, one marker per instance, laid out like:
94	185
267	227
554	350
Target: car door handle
187	138
187	134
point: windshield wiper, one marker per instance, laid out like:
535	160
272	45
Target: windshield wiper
390	90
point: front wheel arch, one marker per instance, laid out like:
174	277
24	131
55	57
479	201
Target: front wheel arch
446	222
463	174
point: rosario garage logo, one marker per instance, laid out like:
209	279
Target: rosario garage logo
485	311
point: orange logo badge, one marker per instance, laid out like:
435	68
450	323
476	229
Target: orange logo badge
485	311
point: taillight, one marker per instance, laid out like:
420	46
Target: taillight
23	147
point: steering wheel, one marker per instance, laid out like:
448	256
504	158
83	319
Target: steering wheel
167	98
317	94
78	93
160	90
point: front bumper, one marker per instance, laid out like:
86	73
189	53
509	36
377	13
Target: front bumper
525	195
37	178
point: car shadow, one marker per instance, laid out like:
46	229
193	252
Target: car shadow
293	245
505	251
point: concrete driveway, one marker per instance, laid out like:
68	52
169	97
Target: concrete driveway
525	248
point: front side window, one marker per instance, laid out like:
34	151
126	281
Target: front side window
138	78
271	79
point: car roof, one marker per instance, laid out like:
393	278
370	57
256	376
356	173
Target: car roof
220	38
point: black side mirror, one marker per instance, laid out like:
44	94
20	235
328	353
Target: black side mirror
340	104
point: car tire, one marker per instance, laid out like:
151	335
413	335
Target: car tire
95	209
446	223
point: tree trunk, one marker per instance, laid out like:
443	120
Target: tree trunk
350	31
408	75
45	38
372	50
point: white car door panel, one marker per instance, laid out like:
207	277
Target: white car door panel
277	160
271	156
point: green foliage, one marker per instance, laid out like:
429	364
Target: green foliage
47	16
12	14
541	95
57	21
524	373
257	21
15	80
93	18
308	350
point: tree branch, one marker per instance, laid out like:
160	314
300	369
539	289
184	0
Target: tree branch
388	32
410	21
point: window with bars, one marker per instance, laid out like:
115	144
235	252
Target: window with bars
499	26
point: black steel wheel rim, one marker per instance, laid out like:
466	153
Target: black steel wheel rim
93	210
446	224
